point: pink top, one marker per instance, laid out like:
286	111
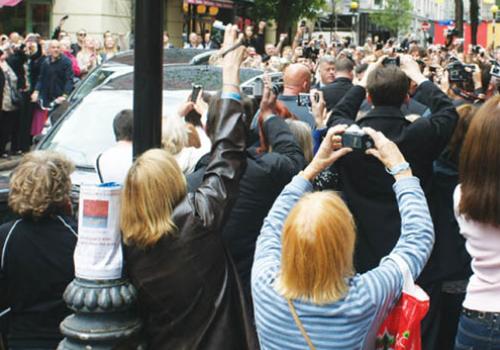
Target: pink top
483	245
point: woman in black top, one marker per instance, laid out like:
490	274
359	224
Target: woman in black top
37	251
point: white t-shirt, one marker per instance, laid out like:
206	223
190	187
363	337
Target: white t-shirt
114	163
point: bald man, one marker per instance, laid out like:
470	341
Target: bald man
296	80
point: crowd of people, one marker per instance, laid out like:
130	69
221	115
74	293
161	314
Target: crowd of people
37	76
288	219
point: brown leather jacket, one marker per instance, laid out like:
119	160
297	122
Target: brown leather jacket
189	293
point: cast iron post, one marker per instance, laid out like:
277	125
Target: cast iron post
148	75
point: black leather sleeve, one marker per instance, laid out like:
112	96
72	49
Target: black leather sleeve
213	199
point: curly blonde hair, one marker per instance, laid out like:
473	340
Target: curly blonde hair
41	184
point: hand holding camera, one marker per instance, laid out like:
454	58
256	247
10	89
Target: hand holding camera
411	68
331	150
318	107
268	102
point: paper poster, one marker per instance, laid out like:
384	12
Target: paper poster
98	253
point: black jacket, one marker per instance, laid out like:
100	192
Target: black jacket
16	61
264	178
38	265
35	62
188	291
335	91
56	79
368	187
413	107
2	85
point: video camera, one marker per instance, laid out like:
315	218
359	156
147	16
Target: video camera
459	72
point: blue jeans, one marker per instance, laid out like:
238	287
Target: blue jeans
477	334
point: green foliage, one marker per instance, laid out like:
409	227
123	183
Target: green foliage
285	9
395	16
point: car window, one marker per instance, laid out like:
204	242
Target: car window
95	78
182	78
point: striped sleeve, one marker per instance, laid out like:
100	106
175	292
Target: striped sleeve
414	246
268	249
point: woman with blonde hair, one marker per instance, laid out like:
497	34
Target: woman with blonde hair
305	290
37	251
188	291
88	57
109	49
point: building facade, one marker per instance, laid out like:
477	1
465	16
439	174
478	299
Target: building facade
116	16
42	16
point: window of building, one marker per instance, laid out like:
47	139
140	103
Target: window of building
29	16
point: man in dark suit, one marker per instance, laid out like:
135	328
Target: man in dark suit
334	92
365	183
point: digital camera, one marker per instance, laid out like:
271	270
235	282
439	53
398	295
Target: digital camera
391	61
357	139
304	100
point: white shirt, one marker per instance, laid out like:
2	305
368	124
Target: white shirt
114	163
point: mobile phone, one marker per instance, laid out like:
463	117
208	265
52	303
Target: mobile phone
304	100
64	18
195	92
316	97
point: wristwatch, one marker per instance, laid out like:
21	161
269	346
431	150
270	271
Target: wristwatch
398	168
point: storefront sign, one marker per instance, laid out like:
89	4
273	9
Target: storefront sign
227	4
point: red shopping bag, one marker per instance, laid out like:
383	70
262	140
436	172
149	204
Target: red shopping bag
401	329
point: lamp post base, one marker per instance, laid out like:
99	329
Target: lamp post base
104	317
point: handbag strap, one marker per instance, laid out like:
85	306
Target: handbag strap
300	325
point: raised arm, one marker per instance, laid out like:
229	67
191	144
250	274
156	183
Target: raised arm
268	249
443	114
213	199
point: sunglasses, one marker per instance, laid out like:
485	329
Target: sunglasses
82	34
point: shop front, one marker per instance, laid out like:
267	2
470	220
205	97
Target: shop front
26	17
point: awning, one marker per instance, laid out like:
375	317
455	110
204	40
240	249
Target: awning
9	2
225	4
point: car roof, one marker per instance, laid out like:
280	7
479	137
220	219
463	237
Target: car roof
180	77
170	56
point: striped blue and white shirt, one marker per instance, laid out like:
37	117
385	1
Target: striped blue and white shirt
353	321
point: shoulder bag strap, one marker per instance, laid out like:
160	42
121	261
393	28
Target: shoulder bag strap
4	250
98	167
300	325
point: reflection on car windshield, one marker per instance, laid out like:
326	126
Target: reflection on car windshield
182	78
96	78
